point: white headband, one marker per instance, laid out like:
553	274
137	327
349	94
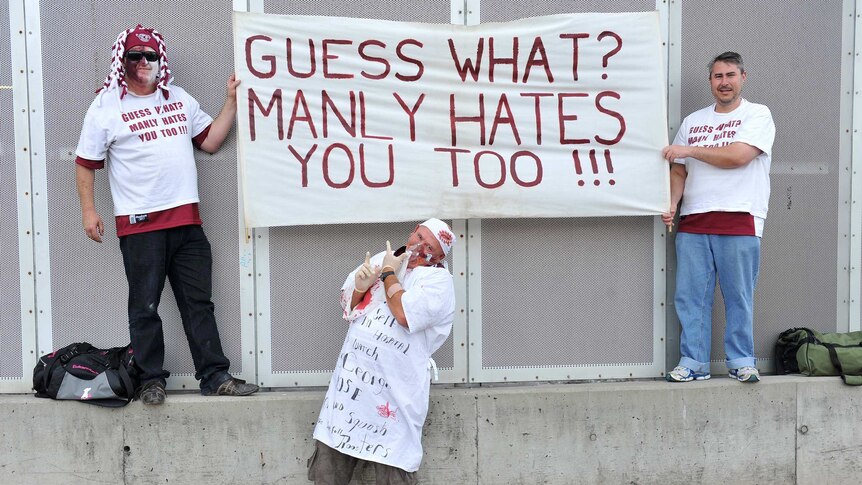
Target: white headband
442	233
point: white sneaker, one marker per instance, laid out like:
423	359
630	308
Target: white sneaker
744	374
684	374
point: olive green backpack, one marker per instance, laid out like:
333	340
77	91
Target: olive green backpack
812	353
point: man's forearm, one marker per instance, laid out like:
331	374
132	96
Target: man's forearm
220	128
394	292
356	298
90	219
85	179
729	156
677	183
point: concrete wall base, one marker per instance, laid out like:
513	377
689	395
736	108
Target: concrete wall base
786	429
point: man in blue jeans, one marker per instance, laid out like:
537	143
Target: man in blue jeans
720	170
147	130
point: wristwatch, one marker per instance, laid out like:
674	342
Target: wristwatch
386	274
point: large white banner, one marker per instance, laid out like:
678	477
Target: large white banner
350	120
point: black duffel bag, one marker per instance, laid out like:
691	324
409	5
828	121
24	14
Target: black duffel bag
81	372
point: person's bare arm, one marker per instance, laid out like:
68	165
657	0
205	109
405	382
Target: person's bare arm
221	126
92	221
735	155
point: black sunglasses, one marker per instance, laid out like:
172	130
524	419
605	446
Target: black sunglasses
135	56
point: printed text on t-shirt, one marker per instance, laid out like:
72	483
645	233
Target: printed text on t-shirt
140	120
707	135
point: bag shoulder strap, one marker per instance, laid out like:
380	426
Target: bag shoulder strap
127	383
115	359
117	403
836	362
62	357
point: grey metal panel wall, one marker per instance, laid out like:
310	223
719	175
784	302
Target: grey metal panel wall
10	288
800	82
506	10
432	11
566	292
88	285
307	328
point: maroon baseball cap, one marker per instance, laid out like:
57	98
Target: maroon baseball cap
141	36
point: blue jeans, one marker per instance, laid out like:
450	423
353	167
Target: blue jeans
735	260
183	255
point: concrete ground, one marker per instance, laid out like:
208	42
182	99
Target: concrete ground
783	430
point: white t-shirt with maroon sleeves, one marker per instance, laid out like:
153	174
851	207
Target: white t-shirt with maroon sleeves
147	142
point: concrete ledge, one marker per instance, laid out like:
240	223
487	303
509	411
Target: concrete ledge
786	429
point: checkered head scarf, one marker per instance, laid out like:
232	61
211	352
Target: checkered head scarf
130	38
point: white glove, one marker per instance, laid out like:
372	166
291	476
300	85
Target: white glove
366	275
392	261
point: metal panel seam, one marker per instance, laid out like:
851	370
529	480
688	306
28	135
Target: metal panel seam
38	179
852	303
23	185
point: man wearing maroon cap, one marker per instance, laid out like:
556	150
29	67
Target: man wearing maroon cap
147	129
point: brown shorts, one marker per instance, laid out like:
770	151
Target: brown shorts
330	467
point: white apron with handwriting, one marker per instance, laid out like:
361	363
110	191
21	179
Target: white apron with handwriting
378	396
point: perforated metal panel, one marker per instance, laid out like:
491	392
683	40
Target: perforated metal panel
798	272
436	11
10	288
308	265
88	287
503	11
567	292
